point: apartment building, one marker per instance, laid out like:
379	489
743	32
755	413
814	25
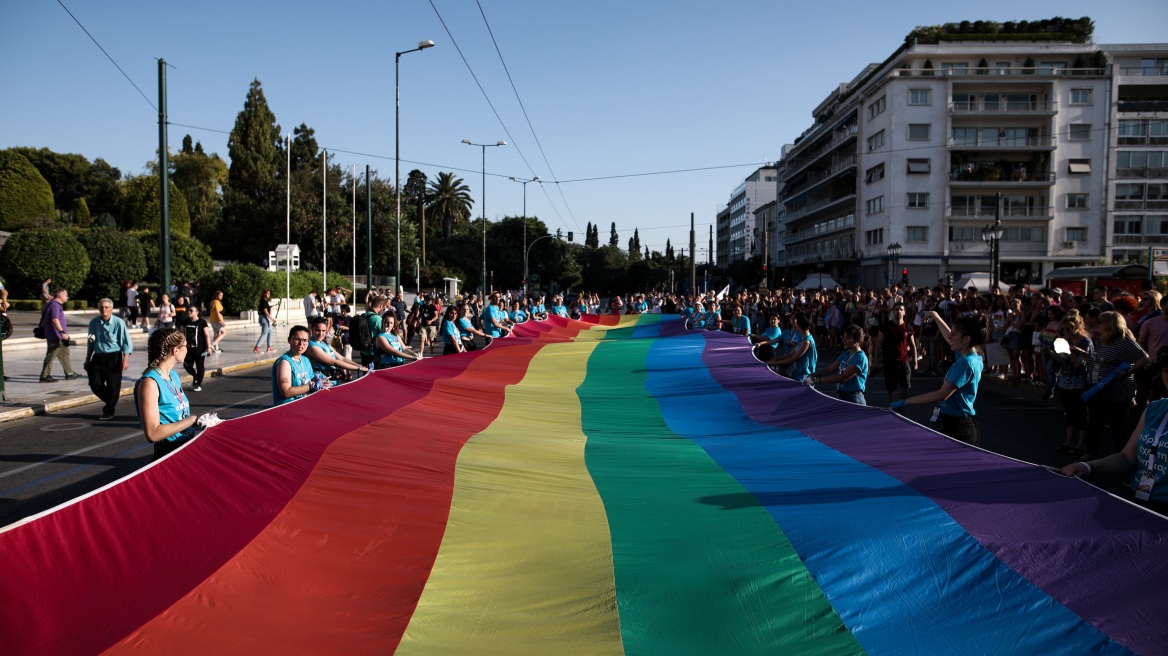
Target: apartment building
915	153
758	189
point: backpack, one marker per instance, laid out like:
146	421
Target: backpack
38	331
360	335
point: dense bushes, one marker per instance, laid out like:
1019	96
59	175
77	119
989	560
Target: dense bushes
115	257
241	285
190	259
142	207
30	256
25	195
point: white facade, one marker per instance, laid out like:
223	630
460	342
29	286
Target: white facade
916	151
758	189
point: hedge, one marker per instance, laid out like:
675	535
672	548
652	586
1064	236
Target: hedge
116	257
30	256
190	259
25	195
142	208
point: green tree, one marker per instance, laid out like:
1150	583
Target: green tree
102	188
200	179
252	206
84	219
613	238
143	207
25	196
450	202
190	259
63	172
30	256
115	257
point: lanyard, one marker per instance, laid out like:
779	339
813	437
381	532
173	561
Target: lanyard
1155	447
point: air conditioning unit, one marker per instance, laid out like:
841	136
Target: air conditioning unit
1068	244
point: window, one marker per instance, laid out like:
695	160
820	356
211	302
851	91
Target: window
918	97
875	173
1051	68
1157	191
1080	96
965	136
918	131
1129	224
1077	201
877	108
874	237
1001	68
1132	132
1079	132
1154	67
1025	234
955	68
1129	191
875	205
918	201
964	234
918	166
1079	166
916	233
875	141
1076	234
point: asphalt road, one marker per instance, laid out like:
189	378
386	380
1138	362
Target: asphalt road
47	460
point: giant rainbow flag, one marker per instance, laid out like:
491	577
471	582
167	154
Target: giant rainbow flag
586	487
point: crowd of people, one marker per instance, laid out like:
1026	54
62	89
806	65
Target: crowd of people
1064	343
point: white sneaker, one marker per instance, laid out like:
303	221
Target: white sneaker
197	388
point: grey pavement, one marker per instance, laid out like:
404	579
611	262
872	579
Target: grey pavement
23	357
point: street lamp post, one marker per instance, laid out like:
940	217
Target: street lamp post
527	253
524	183
992	236
484	203
894	253
422	45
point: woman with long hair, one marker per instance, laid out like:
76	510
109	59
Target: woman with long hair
1072	380
265	311
163	410
803	357
850	370
391	349
955	414
1115	345
451	335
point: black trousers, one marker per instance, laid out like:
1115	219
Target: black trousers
195	364
105	379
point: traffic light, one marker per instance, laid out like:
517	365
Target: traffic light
904	276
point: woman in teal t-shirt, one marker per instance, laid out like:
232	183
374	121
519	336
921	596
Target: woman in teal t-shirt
850	369
163	409
958	392
804	357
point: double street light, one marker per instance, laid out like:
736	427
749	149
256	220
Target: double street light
894	253
422	45
524	183
992	236
484	203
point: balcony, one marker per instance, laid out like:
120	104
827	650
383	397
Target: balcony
1007	212
1138	240
814	178
1128	205
986	107
1028	73
1142	106
838	137
1005	143
1150	70
802	211
1007	174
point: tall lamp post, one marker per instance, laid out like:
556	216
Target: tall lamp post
992	236
894	253
524	183
484	203
422	45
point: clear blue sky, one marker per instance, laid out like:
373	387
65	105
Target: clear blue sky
611	87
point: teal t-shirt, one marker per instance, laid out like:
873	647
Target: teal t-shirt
964	374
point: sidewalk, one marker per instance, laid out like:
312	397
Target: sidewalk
23	357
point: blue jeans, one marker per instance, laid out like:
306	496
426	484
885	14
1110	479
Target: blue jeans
852	397
265	332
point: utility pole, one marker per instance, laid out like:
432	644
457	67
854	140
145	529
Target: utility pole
693	259
164	182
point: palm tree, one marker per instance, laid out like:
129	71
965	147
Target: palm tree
450	201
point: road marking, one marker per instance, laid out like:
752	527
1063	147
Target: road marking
56	428
109	442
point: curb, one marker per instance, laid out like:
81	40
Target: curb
66	404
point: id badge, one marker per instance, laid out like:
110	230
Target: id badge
936	414
1144	489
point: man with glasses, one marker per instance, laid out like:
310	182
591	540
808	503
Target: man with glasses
107	356
292	376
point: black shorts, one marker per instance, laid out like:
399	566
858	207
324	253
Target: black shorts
897	375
